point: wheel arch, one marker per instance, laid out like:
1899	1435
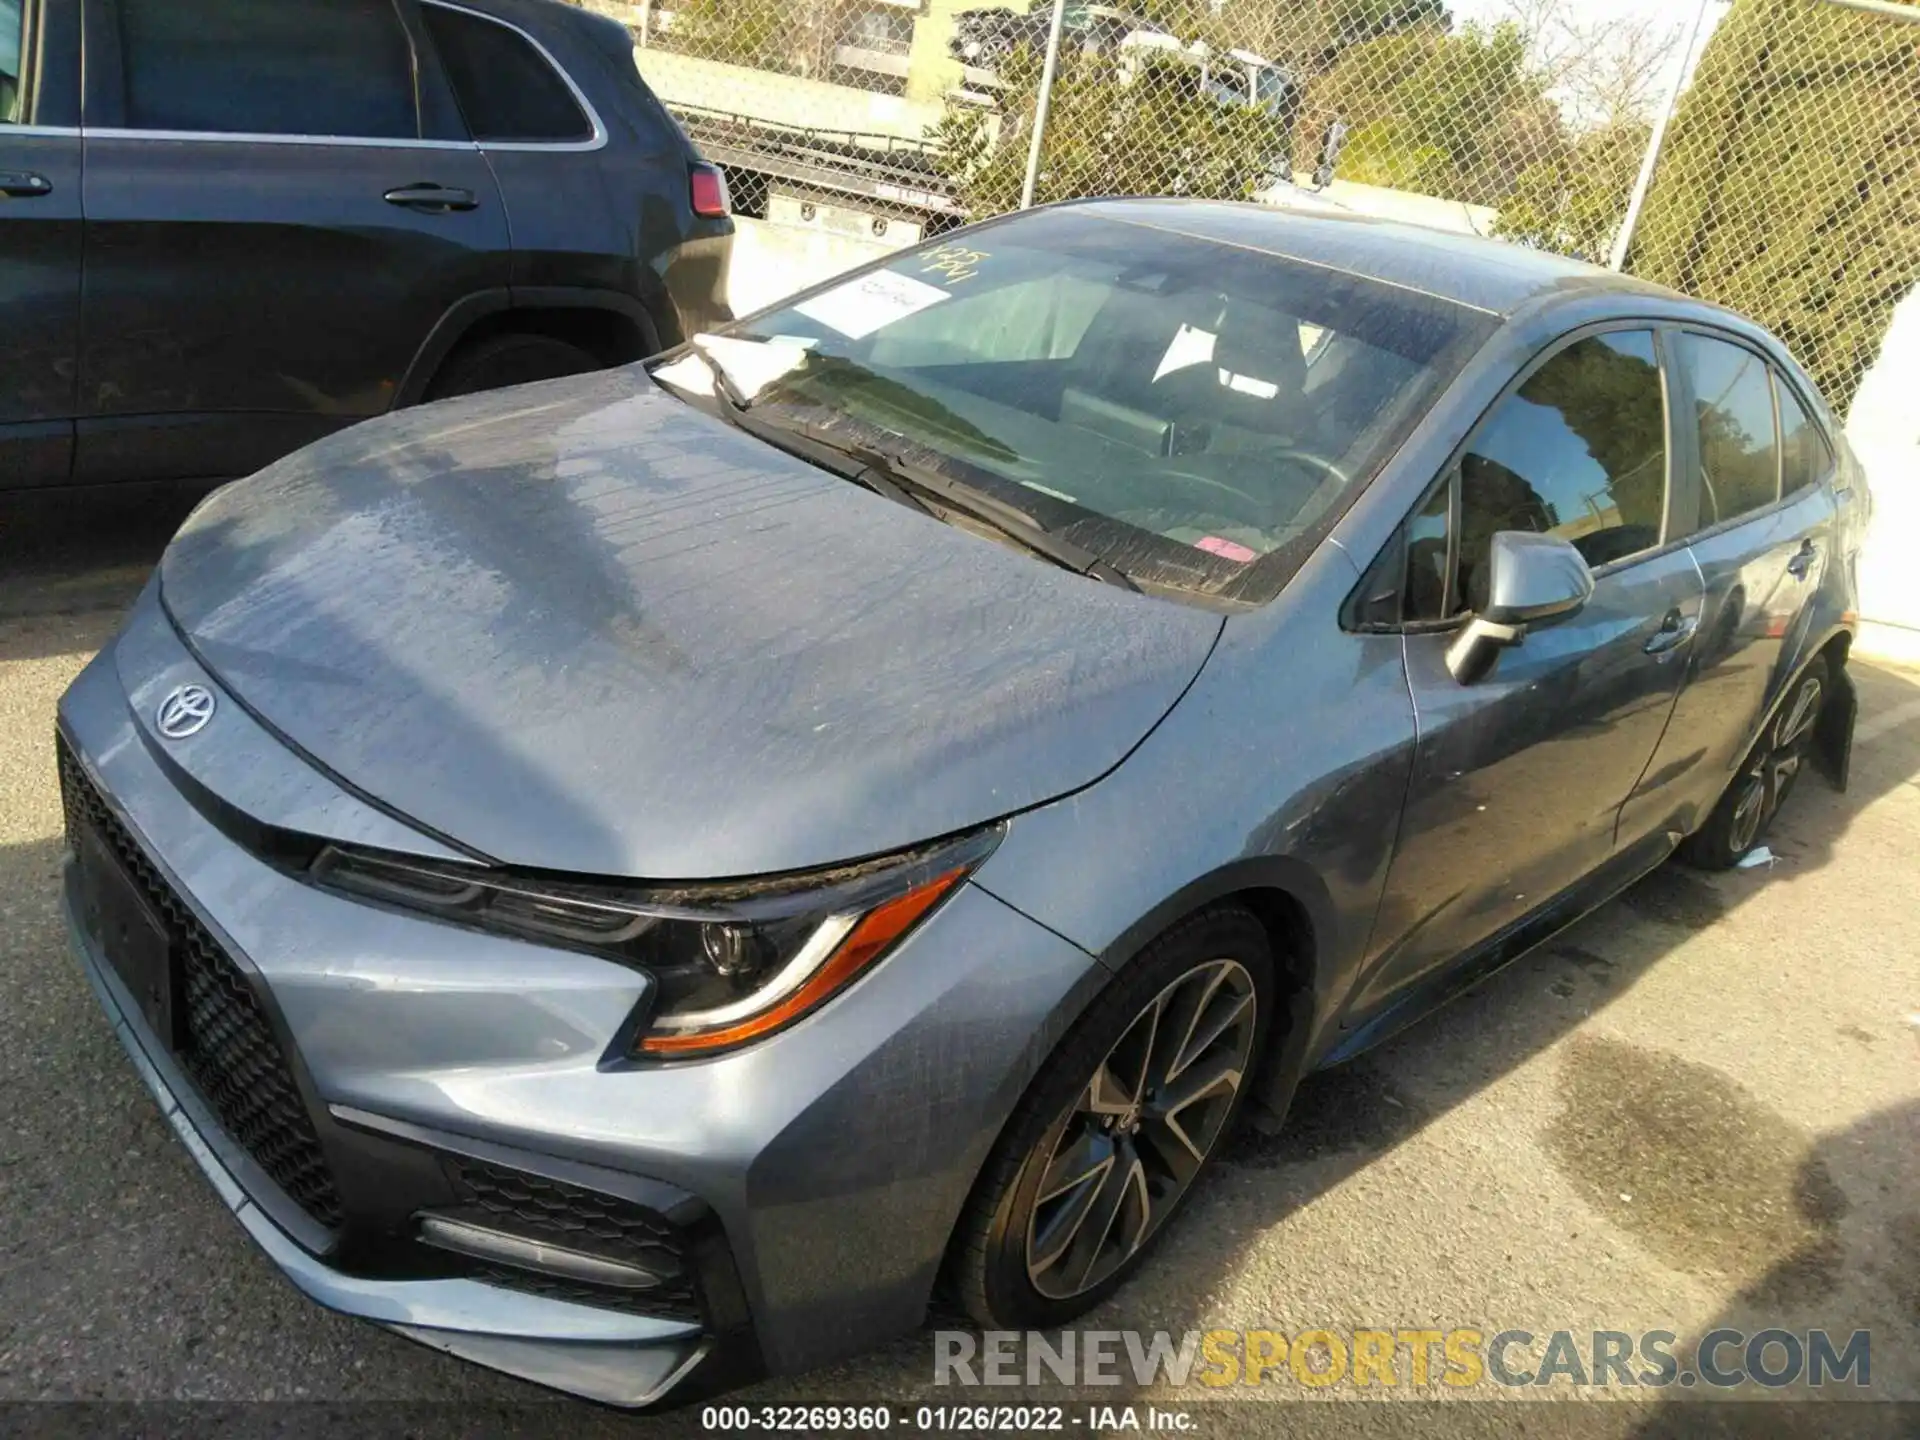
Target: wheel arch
1293	906
1289	902
615	328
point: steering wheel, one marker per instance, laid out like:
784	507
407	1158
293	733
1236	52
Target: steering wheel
1256	510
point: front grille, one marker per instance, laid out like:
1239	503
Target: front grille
228	1050
576	1219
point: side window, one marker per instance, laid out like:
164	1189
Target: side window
288	67
1426	595
12	35
1578	451
1805	459
506	88
1733	407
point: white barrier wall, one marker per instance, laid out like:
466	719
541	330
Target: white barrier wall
1884	429
771	261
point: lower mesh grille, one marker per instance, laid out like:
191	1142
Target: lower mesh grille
575	1218
229	1051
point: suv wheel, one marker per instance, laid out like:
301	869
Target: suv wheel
1117	1127
1764	779
503	360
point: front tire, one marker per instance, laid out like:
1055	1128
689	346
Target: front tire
503	360
1117	1127
1765	778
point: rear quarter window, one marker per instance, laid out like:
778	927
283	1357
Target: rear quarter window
508	91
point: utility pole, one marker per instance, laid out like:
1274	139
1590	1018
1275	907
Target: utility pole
1624	240
1043	104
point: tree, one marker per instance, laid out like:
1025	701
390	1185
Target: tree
1791	184
1308	35
1455	115
1153	134
1575	199
793	37
1601	70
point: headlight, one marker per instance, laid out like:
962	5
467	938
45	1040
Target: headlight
731	963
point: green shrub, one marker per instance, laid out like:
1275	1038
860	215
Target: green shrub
1150	136
1575	200
1790	189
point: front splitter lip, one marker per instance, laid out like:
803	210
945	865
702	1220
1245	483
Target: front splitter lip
601	1355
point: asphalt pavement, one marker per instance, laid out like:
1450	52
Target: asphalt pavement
1700	1108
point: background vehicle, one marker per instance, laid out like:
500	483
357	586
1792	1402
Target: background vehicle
961	736
260	223
986	37
1231	79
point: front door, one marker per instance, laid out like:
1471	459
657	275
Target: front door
40	238
1519	778
277	215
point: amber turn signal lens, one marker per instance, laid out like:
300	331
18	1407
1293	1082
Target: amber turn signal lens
875	934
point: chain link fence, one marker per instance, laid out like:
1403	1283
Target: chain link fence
1787	183
1789	187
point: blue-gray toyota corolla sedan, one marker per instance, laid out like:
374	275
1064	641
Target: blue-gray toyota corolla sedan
638	880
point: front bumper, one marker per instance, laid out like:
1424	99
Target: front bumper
599	1354
810	1182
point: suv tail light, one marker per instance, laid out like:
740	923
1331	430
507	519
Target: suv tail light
709	191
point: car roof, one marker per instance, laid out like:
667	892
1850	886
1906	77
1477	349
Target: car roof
1494	276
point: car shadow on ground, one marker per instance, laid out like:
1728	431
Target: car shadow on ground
76	551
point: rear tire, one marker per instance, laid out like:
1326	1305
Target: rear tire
1119	1125
503	360
1765	778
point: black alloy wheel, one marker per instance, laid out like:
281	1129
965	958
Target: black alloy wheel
1117	1127
1142	1128
1765	778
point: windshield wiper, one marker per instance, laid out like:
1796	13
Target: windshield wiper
926	484
736	408
903	481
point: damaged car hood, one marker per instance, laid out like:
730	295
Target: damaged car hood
584	627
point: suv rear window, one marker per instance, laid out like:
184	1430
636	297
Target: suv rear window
507	90
289	67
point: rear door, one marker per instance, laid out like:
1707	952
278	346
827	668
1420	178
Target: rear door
40	238
1519	778
281	204
547	146
1761	510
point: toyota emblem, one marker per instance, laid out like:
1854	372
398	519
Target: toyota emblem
185	711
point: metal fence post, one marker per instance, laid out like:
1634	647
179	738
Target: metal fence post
1043	104
1624	240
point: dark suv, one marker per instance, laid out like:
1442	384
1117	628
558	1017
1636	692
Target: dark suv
251	223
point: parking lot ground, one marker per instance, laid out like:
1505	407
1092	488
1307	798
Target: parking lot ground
1698	1108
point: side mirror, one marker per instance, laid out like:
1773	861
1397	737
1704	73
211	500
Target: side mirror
1534	580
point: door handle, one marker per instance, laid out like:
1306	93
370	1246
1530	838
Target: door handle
1802	563
436	198
1675	630
23	184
